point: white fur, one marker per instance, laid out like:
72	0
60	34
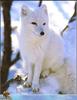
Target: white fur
40	53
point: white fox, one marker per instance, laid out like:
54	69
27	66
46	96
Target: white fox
42	50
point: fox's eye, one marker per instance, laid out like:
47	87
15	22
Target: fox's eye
44	23
34	23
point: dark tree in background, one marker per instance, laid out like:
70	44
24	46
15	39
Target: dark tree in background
7	51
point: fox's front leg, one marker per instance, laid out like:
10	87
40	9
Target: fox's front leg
25	68
29	80
36	76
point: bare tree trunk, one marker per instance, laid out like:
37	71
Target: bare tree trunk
6	4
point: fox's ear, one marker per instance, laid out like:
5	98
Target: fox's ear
44	8
24	10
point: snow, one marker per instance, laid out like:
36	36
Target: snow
59	15
40	97
47	86
70	43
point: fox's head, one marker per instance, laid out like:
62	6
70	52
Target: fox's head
35	22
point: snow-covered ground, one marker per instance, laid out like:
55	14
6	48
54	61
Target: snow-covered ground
59	15
39	97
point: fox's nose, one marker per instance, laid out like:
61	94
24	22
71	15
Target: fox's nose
42	33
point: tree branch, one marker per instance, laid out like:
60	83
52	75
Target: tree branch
71	19
74	15
16	59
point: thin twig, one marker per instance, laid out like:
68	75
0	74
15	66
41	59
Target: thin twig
16	59
40	3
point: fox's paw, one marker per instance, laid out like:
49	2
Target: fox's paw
27	84
44	74
35	88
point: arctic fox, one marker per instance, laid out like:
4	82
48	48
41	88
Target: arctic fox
42	50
